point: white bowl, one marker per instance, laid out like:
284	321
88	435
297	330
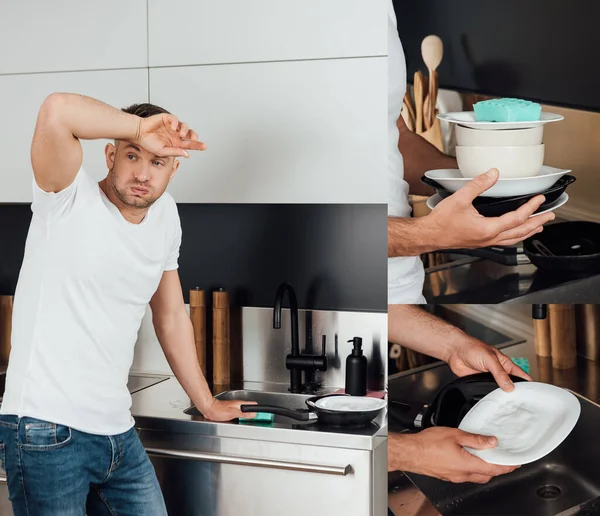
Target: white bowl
452	180
467	137
515	161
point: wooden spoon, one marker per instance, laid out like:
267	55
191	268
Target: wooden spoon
432	50
419	98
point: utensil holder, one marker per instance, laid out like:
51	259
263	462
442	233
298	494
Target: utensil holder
563	337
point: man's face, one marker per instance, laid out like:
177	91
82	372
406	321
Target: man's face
137	177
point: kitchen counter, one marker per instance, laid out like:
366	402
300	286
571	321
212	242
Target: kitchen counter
161	407
472	280
404	498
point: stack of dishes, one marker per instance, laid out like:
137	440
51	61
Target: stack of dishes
516	149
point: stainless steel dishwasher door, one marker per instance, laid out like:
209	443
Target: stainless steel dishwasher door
213	476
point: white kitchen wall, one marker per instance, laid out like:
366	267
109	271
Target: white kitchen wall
289	96
20	98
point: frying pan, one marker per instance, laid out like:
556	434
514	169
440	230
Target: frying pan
450	405
328	410
566	247
571	248
498	206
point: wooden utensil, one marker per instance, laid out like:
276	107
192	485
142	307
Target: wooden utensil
409	106
432	51
408	120
221	358
198	317
419	97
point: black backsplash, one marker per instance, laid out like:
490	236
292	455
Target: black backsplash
334	255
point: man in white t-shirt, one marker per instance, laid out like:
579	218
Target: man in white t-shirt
96	255
454	223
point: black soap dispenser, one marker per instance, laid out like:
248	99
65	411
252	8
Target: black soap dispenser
356	370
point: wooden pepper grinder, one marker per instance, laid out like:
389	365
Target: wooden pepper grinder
541	326
198	316
6	309
562	333
221	352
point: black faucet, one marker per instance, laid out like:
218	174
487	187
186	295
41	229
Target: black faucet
295	361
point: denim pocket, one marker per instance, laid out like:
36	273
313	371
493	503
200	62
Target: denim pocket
41	435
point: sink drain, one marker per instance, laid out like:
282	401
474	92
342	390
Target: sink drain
549	492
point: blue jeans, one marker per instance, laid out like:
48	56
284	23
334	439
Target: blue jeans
54	470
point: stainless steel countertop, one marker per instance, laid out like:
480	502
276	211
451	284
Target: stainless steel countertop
161	407
406	499
480	281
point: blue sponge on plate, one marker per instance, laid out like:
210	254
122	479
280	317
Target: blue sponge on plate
507	110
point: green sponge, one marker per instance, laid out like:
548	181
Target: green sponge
507	110
523	363
261	417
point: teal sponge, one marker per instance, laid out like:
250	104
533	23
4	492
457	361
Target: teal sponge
261	418
523	363
507	110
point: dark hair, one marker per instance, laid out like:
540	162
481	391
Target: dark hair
144	110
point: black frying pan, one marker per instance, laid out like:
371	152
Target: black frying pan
450	405
566	247
570	248
324	416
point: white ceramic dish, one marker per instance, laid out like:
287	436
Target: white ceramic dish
467	137
351	403
452	180
467	118
529	422
519	161
433	201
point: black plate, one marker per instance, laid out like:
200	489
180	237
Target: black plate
497	206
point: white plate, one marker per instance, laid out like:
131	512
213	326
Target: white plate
452	180
351	403
528	422
467	118
435	199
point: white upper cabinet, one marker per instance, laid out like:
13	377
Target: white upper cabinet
188	32
286	132
51	36
20	100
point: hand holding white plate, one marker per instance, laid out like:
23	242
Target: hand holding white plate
452	180
528	422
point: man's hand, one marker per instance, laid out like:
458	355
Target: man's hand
459	225
227	410
164	135
438	452
471	356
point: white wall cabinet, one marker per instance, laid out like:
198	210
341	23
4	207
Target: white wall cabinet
71	35
20	100
190	32
291	132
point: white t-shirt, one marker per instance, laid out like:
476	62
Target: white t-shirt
87	277
405	274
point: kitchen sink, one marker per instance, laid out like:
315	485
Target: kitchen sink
568	476
279	399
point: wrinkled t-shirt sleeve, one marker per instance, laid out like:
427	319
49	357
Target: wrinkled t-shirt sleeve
52	206
172	262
